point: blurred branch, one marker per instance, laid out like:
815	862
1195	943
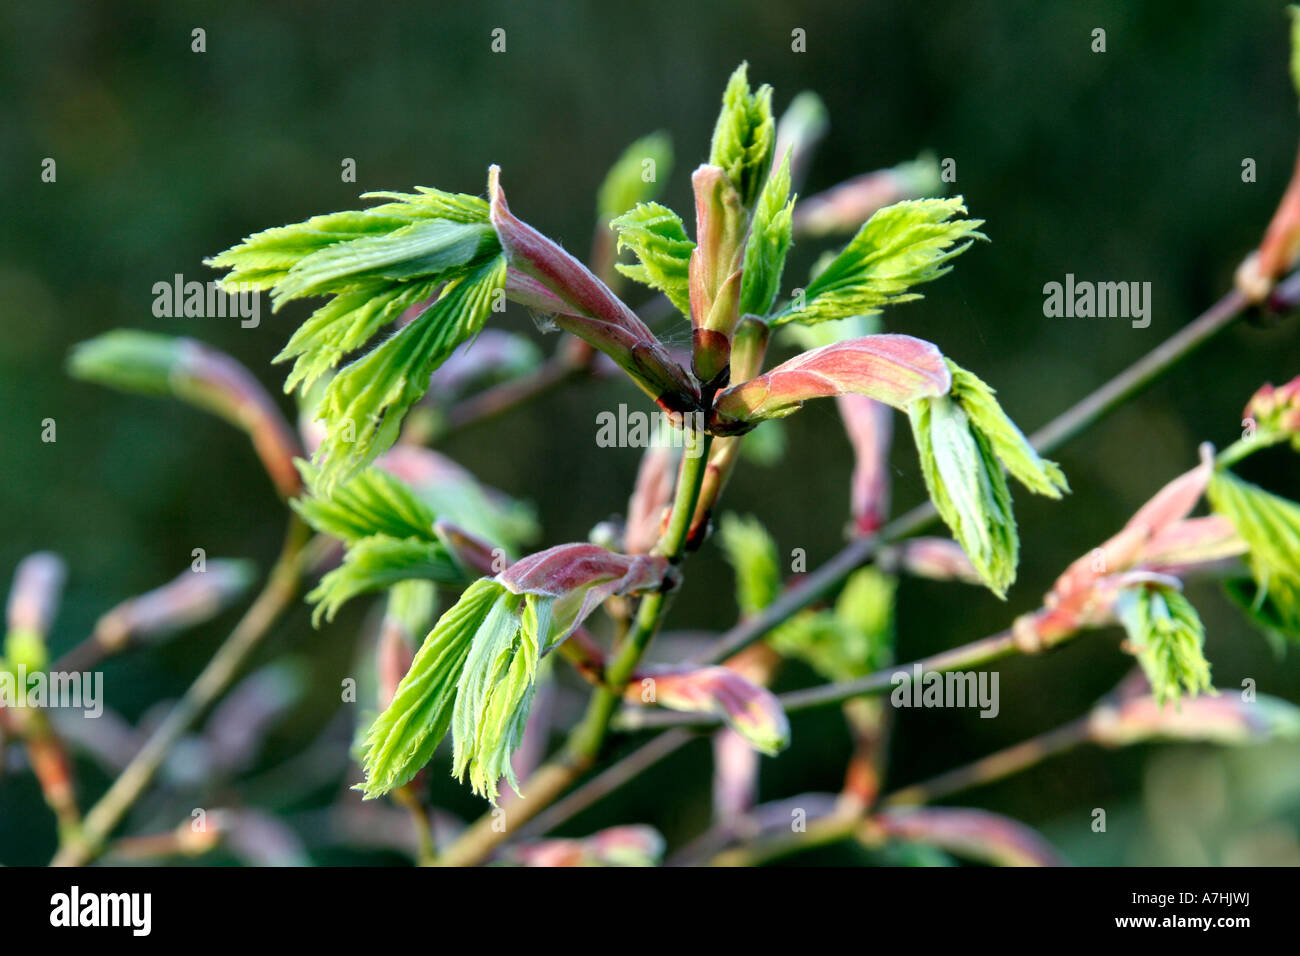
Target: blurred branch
281	588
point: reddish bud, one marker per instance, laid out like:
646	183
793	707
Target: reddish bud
550	279
750	710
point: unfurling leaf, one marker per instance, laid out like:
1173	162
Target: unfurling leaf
968	489
975	834
378	562
897	370
750	710
1270	527
769	243
900	247
477	670
656	236
745	135
364	404
371	503
636	176
402	738
751	552
374	262
495	694
1040	476
1168	638
964	440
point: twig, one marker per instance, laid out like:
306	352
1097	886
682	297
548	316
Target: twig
279	592
995	766
1075	420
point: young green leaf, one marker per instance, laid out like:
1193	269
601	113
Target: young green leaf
495	693
745	135
1040	476
364	404
375	263
900	247
1270	526
636	176
769	243
968	488
378	562
265	259
752	553
656	236
1168	638
371	503
403	738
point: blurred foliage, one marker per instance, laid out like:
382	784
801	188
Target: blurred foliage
1124	165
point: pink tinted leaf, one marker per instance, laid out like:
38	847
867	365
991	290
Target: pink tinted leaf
894	369
1193	544
750	710
1170	504
1222	719
974	834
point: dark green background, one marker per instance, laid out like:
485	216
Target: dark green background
1117	166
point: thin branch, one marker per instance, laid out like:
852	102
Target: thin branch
606	782
967	656
1061	429
995	766
281	588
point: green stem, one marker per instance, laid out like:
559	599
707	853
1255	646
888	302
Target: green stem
1243	447
280	590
